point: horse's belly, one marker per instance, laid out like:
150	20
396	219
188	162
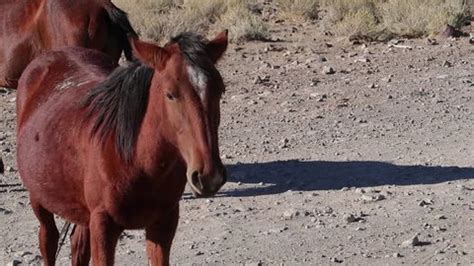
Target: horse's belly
47	172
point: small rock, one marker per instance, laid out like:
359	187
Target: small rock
261	80
5	211
374	198
278	230
446	63
362	60
328	70
413	242
253	263
431	41
396	255
284	143
290	214
350	218
425	202
199	253
14	263
22	254
450	31
441	217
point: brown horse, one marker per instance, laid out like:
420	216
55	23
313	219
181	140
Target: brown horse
30	27
110	150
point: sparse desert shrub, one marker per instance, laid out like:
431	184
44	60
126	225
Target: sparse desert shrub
161	19
381	18
306	9
415	18
360	23
243	25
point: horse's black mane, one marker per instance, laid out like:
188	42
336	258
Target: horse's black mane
118	104
121	25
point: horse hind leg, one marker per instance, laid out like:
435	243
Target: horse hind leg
48	233
80	246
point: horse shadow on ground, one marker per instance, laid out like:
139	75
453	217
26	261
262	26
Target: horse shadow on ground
280	176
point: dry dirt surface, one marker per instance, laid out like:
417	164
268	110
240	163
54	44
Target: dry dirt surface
338	153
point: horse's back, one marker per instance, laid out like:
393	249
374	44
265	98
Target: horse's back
57	71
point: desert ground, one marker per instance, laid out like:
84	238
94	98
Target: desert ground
338	152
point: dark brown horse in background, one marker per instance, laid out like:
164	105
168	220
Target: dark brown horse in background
111	148
28	28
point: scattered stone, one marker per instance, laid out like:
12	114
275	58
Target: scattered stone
284	143
362	60
431	41
290	214
461	252
446	63
261	80
373	198
14	263
372	86
450	31
278	230
350	218
22	254
5	211
328	70
336	260
412	242
425	202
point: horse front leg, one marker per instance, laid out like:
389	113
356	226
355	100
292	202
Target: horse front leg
104	234
159	237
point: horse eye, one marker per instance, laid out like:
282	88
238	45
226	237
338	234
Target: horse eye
170	96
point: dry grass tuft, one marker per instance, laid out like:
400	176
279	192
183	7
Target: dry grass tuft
299	9
162	19
415	18
382	18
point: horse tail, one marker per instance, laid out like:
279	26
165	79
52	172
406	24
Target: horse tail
119	20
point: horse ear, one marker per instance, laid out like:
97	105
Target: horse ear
217	47
148	53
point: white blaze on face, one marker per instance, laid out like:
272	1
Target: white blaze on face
198	80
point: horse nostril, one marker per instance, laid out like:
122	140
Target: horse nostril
196	179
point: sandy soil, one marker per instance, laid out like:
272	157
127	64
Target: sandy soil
334	168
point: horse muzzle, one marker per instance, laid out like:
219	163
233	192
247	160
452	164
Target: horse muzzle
203	185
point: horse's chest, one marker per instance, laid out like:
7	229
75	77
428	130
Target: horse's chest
140	206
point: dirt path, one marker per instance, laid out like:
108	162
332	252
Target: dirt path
325	168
